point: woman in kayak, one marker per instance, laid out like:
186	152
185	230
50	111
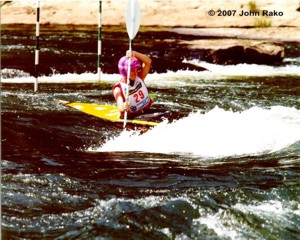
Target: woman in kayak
138	100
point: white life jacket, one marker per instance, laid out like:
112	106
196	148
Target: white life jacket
138	98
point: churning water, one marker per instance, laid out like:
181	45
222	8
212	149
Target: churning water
228	170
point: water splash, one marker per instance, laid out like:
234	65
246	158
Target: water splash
217	133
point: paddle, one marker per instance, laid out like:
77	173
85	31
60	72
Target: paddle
133	19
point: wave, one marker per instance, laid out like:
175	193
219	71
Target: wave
213	72
217	133
248	70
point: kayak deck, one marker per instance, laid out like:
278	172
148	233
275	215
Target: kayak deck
109	113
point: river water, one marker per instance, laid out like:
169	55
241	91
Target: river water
229	170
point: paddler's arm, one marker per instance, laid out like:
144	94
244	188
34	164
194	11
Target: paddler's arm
122	106
144	59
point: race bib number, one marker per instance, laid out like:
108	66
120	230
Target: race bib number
139	96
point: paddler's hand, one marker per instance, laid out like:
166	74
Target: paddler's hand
130	54
126	106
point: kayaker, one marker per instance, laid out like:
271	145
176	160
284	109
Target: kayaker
138	99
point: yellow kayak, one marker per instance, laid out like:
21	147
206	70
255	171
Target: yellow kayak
106	112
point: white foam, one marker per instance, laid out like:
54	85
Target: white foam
170	78
59	78
247	69
217	133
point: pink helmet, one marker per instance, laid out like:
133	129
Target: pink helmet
123	65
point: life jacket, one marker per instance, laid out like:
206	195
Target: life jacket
138	98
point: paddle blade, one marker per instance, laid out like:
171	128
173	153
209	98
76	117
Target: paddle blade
133	18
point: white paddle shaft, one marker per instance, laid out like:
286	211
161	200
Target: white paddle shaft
133	19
